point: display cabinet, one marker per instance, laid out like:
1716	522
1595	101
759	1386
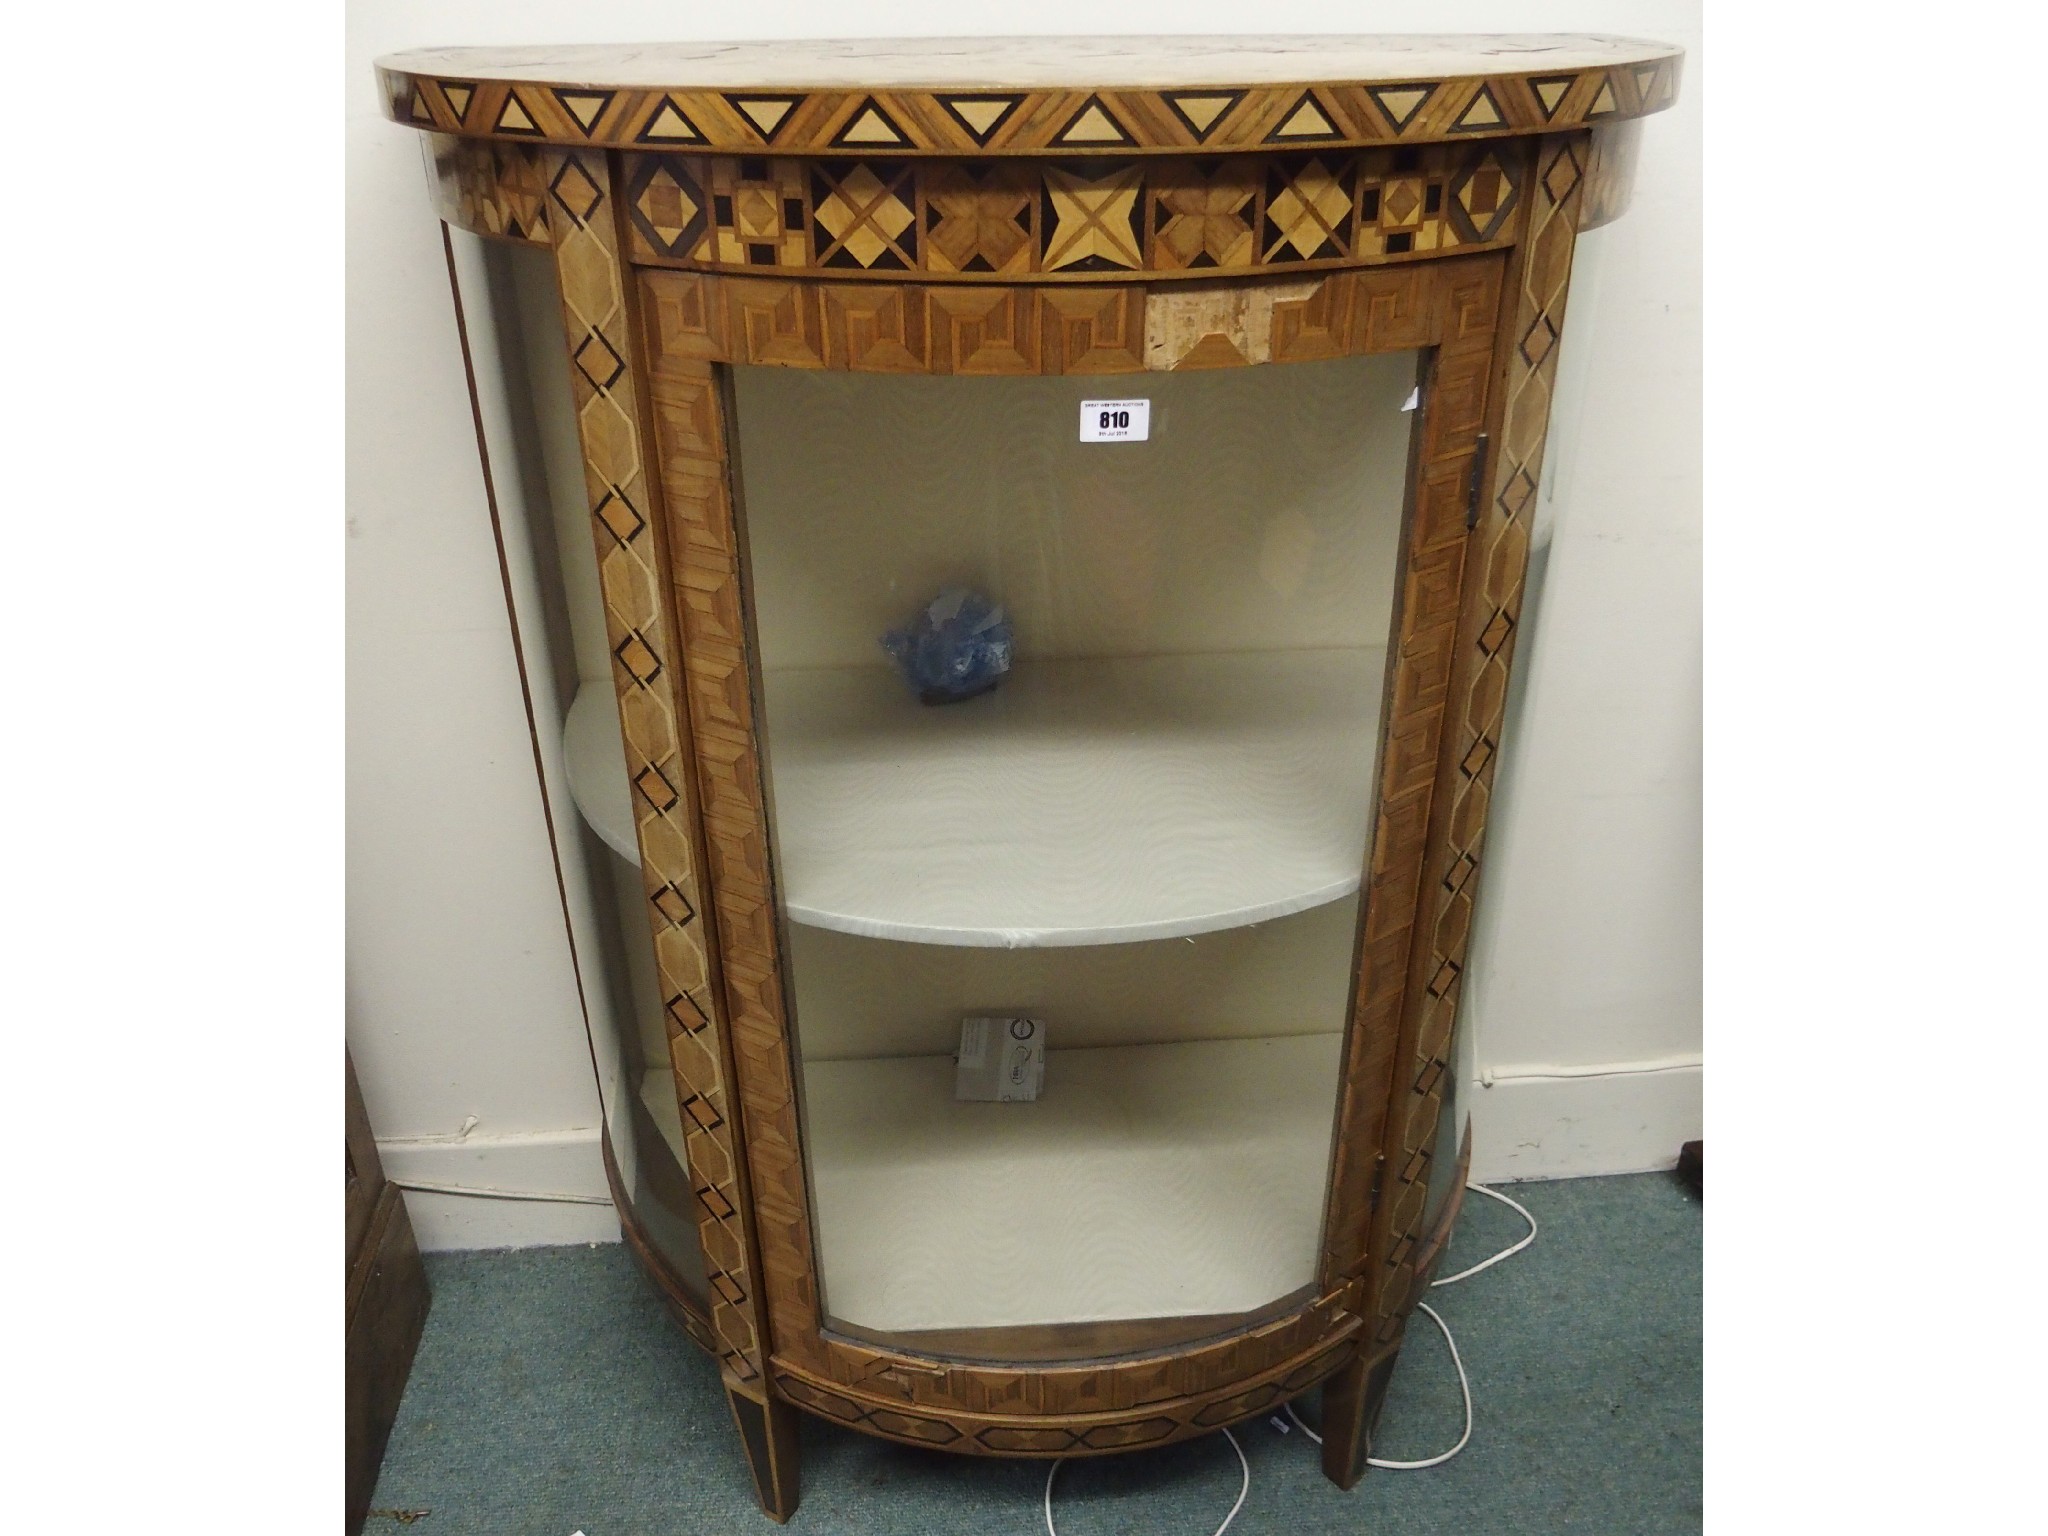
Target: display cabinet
1224	368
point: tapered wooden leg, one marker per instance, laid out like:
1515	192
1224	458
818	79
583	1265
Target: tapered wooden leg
768	1432
1351	1408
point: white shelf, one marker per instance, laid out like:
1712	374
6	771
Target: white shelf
1083	802
1149	1181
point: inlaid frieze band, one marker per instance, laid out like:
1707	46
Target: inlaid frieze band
1010	220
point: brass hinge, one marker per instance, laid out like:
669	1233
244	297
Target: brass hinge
1476	487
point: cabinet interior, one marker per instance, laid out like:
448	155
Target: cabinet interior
1150	836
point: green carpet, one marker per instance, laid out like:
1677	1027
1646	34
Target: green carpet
552	1394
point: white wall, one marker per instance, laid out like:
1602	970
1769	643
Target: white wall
1583	996
1583	1000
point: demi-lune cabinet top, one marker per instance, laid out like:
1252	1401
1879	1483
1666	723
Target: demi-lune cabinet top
1033	96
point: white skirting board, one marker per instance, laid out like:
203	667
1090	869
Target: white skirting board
1149	1181
549	1162
1625	1118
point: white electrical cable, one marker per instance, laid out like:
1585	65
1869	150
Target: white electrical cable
1507	1252
1318	1439
1464	1390
1464	1386
1243	1489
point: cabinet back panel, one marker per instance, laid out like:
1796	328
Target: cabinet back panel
1262	513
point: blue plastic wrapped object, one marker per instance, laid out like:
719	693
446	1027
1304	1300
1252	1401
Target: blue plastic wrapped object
958	647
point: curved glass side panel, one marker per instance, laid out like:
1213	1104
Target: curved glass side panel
545	514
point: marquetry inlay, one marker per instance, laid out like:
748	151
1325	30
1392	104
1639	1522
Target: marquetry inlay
966	219
962	98
1110	207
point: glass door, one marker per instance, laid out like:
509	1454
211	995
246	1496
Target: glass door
1071	753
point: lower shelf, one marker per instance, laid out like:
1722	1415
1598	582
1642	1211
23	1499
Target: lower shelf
1149	1181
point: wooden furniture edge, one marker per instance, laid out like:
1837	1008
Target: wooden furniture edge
919	224
1159	1421
897	1414
1035	121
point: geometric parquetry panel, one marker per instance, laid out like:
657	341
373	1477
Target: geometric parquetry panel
1207	217
1045	328
1482	196
992	219
492	189
666	201
980	219
760	214
864	216
1095	223
619	488
1308	209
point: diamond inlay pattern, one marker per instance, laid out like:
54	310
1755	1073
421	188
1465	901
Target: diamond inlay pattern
1308	211
492	189
668	206
1483	194
1498	563
616	477
1053	121
866	217
1013	218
